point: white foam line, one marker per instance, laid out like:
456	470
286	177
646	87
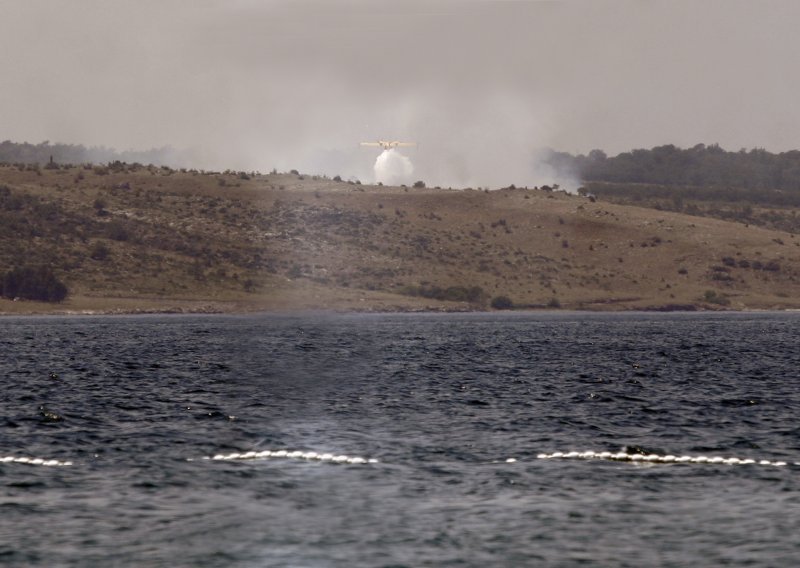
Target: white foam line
656	458
309	456
34	461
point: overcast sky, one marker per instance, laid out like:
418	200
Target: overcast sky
480	85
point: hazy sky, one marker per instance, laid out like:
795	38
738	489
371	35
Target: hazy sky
480	85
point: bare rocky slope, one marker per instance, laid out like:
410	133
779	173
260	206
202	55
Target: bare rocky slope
130	238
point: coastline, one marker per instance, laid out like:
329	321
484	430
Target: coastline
109	307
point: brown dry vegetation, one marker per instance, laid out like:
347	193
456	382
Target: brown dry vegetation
136	238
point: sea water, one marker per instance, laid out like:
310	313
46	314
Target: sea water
400	440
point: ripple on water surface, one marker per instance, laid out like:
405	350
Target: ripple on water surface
334	440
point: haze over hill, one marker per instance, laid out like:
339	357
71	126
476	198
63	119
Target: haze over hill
480	86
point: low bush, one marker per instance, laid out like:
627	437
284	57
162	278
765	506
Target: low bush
502	303
714	297
117	231
473	294
33	283
99	251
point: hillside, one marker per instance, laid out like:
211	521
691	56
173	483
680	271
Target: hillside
754	187
137	238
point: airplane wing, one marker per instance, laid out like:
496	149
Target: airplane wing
388	144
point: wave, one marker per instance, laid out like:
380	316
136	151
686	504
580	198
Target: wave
657	458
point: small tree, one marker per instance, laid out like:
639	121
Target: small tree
419	184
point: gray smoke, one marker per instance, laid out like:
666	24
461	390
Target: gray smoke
481	86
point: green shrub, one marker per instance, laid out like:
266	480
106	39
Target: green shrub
714	297
99	251
116	230
33	283
13	202
502	303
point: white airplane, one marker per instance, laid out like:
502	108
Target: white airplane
388	144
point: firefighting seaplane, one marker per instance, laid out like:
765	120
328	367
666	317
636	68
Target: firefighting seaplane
389	144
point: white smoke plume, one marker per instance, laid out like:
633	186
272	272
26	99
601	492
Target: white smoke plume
485	138
393	168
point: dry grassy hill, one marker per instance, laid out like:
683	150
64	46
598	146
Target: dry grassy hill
137	238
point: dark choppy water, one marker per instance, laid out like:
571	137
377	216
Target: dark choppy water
442	401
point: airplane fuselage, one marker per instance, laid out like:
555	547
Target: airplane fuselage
388	144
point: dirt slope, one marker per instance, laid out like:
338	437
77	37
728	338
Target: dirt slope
135	238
